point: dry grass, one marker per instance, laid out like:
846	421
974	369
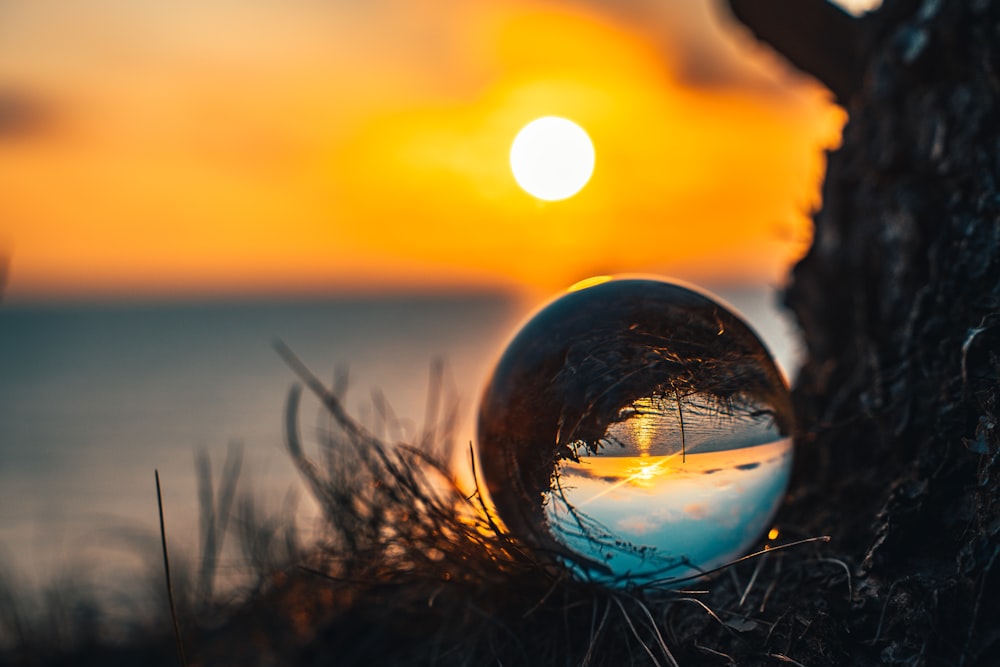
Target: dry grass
413	570
417	571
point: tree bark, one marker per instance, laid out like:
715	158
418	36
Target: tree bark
898	301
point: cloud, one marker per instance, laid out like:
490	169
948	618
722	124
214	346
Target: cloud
689	35
348	145
697	511
643	524
21	115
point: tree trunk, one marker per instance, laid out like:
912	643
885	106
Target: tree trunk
899	304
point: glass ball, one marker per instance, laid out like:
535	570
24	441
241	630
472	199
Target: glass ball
638	431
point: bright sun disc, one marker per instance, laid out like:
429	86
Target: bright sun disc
552	158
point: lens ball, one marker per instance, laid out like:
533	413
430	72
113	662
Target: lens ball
638	431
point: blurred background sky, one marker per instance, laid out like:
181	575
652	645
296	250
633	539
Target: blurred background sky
246	153
248	147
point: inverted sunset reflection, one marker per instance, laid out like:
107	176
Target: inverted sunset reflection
679	486
656	517
638	430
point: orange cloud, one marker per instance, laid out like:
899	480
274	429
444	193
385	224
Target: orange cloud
201	148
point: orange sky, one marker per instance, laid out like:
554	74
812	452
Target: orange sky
226	146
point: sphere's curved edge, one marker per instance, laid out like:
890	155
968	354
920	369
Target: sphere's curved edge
540	386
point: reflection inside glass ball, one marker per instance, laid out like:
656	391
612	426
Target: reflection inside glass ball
638	430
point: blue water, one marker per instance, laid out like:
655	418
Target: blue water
93	398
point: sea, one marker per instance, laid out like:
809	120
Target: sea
95	397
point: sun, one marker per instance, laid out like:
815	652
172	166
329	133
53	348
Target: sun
552	158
